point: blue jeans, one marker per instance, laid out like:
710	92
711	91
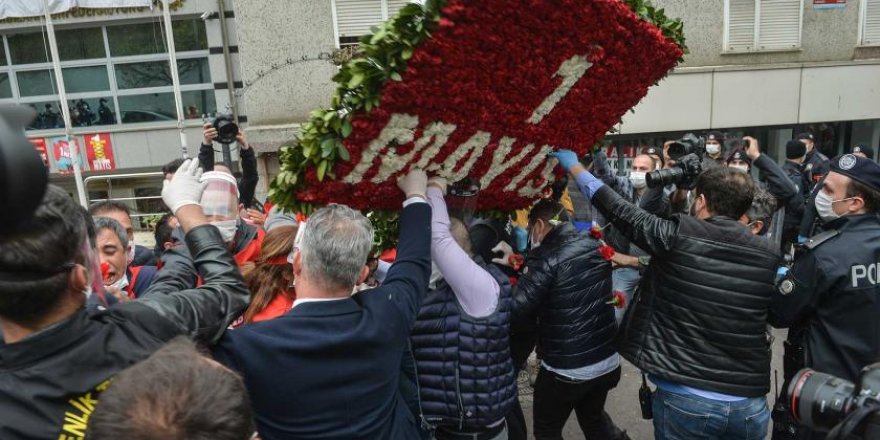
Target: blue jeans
685	417
624	279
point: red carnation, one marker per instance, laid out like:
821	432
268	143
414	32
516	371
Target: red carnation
606	251
596	232
515	261
618	299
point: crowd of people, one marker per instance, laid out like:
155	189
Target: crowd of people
247	322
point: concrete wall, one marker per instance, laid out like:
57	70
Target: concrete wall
270	32
828	35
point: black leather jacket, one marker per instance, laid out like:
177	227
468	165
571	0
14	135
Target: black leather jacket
565	286
51	381
699	317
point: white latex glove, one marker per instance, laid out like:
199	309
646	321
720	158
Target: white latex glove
184	188
414	183
507	252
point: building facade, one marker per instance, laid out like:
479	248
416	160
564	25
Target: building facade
115	69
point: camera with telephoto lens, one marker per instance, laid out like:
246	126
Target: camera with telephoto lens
821	402
227	129
687	153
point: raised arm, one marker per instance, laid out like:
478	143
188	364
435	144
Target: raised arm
606	174
249	176
204	312
649	232
476	290
778	183
407	279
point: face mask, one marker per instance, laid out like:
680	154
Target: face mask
825	206
742	168
533	242
121	283
638	179
227	229
713	148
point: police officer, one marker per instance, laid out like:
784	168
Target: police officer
831	296
816	163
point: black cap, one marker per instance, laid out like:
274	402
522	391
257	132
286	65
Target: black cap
807	136
652	150
795	149
739	155
863	170
715	136
864	149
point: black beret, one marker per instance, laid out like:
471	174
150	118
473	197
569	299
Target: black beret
715	136
864	149
865	171
739	155
795	149
807	136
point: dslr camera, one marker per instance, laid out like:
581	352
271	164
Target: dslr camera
23	177
821	402
687	153
227	129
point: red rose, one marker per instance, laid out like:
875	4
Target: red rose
596	232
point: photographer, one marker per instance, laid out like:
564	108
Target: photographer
56	358
698	323
247	184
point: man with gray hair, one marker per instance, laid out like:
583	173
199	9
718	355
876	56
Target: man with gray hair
330	367
119	276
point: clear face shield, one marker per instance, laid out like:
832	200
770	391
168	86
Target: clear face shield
220	202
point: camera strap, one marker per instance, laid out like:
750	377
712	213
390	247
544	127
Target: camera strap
852	423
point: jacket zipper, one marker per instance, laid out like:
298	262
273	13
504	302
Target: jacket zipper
458	396
424	422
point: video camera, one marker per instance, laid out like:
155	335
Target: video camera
227	129
23	176
823	402
687	153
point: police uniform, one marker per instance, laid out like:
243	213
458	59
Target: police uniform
816	164
832	293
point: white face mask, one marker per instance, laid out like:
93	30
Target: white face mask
713	148
227	229
742	168
436	276
121	283
638	179
825	206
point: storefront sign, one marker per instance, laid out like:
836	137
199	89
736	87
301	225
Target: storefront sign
99	149
829	4
40	145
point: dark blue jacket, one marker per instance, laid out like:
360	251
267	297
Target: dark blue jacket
465	373
330	370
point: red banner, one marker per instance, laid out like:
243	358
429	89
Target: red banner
62	156
100	152
40	145
829	4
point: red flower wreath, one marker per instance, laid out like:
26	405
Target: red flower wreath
497	86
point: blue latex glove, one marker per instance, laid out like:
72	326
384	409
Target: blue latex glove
802	239
567	158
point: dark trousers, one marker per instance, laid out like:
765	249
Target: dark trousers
556	397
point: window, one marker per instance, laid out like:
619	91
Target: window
762	25
354	18
869	24
130	84
5	86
